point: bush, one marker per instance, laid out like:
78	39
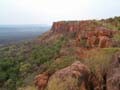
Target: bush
59	63
83	43
119	28
116	37
24	68
3	76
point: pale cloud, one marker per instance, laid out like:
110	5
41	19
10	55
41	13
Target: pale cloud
47	11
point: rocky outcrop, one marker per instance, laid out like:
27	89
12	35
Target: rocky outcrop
104	42
64	26
89	31
79	77
87	35
101	37
73	26
113	75
41	81
77	71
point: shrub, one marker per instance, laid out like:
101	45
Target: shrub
3	76
24	68
119	28
116	37
83	42
59	63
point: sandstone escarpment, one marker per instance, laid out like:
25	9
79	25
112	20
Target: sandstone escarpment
92	45
72	26
94	34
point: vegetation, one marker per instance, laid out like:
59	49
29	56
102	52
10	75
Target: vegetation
99	61
112	23
28	88
18	62
116	37
59	63
68	84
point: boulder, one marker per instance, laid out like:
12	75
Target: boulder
72	77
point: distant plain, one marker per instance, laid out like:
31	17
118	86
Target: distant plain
11	34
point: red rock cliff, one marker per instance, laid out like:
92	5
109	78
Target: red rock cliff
94	33
69	26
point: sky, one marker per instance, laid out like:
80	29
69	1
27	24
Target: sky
20	12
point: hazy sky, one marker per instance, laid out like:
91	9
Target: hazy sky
48	11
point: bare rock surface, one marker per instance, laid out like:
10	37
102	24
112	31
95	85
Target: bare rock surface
77	71
41	81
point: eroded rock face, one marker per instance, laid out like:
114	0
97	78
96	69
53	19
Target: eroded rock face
113	75
104	42
77	70
72	26
95	36
78	76
41	81
100	37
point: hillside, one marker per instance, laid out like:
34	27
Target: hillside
73	55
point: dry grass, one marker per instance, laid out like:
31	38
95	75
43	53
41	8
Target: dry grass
68	84
116	37
27	88
59	63
99	59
